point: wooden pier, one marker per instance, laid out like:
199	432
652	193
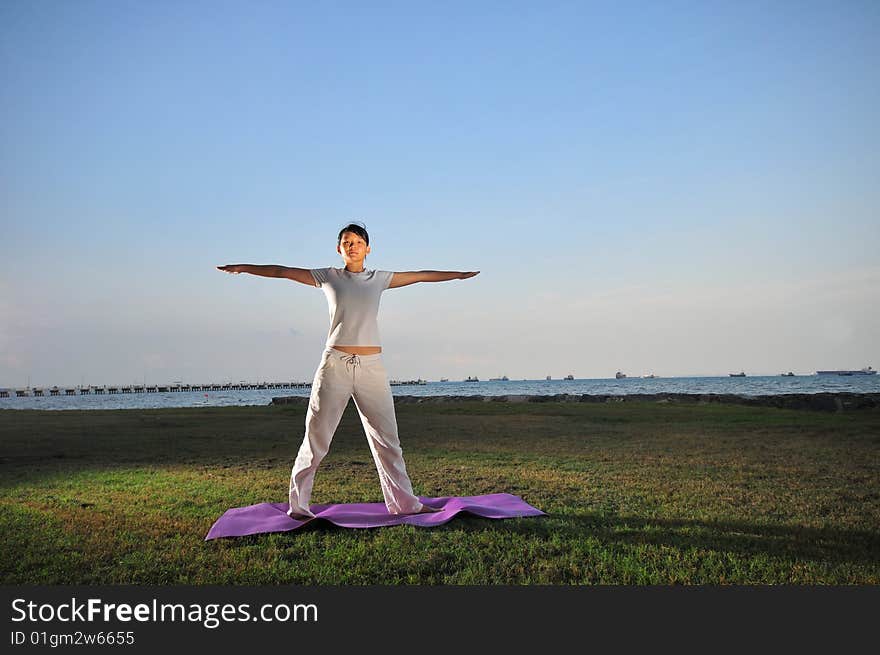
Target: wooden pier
94	390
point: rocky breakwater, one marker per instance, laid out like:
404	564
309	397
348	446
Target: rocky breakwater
831	402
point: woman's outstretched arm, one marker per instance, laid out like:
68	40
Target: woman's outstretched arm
402	278
272	270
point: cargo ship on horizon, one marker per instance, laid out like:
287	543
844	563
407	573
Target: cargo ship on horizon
865	371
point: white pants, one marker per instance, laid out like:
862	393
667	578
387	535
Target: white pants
339	377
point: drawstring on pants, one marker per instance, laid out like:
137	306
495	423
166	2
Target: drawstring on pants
351	362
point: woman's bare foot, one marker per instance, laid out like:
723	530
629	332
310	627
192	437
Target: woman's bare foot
296	516
428	510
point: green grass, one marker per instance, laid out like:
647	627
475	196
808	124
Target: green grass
637	493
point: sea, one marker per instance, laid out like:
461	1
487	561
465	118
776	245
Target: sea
742	386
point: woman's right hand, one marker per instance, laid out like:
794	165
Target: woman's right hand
231	268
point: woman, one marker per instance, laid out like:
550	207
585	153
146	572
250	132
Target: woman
352	366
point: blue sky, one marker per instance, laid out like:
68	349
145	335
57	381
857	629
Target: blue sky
678	188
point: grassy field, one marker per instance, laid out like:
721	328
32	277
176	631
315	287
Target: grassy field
637	493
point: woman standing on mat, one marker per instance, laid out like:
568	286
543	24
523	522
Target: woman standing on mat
352	366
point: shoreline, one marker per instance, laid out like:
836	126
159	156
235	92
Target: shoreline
824	401
820	401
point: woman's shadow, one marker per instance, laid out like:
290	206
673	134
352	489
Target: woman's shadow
831	544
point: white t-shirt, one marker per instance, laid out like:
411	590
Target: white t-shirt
353	299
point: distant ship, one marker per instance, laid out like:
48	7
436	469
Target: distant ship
548	378
444	379
865	371
569	377
620	375
401	383
649	377
472	379
787	375
741	374
503	378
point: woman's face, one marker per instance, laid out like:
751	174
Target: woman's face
352	248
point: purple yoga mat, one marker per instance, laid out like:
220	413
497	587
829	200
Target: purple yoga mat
272	517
